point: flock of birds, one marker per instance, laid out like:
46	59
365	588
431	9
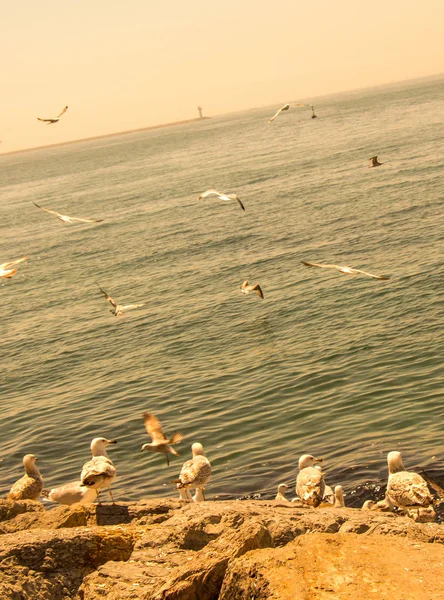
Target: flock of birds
406	491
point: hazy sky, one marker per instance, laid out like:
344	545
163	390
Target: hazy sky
123	65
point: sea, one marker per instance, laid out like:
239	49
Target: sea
346	368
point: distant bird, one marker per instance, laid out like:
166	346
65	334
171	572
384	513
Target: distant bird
6	271
195	473
220	196
375	162
248	289
345	270
65	218
313	116
118	309
99	472
54	119
160	442
71	493
405	490
339	497
280	496
310	484
282	109
30	486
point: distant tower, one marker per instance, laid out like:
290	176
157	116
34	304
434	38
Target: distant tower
199	108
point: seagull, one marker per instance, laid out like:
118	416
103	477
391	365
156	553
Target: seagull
247	289
54	119
313	116
99	472
118	310
310	484
405	490
28	487
345	270
281	492
160	443
71	493
282	109
6	271
220	196
339	497
195	473
65	218
375	162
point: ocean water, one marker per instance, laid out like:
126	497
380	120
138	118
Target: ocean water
347	368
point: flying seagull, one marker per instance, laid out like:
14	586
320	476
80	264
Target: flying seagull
6	271
247	289
375	162
346	270
118	309
54	119
65	218
160	442
225	197
282	109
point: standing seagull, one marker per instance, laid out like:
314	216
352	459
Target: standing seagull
282	109
280	496
160	443
313	116
375	162
405	490
118	308
65	218
5	268
224	197
54	119
195	473
99	472
310	484
345	270
30	486
247	289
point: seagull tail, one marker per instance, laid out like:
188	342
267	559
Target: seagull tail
178	482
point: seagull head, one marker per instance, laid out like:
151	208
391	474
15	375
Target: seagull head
98	446
308	460
394	461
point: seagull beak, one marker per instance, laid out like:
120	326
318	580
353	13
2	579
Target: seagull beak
319	460
113	442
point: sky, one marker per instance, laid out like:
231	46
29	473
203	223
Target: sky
127	65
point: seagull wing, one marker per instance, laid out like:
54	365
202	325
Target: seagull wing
154	428
86	220
131	306
277	114
63	112
371	275
47	120
308	264
48	210
107	297
6	265
234	197
210	193
257	288
7	273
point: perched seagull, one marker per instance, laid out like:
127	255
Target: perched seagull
99	472
313	116
65	218
247	289
160	443
54	119
310	484
28	487
375	162
195	473
5	268
118	308
224	197
345	270
405	490
282	109
281	492
71	493
339	497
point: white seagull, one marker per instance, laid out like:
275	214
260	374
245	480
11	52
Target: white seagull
5	268
405	490
280	496
71	493
248	289
345	270
99	472
220	196
65	218
310	484
375	162
28	487
160	442
195	474
282	109
118	309
54	119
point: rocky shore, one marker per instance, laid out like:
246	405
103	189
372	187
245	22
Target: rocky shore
252	550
